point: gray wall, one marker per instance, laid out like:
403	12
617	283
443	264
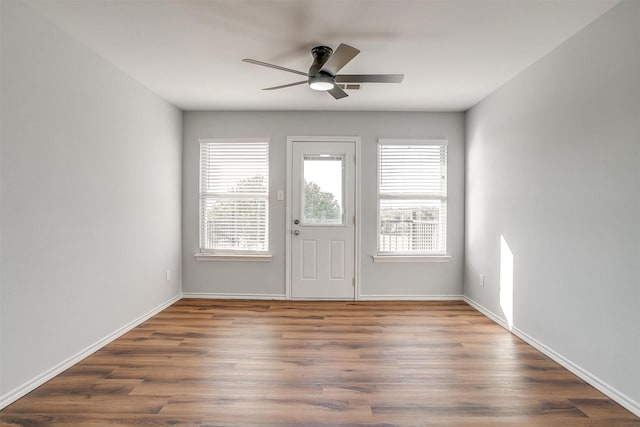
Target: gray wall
254	278
553	166
90	193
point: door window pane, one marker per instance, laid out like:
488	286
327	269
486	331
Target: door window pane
323	195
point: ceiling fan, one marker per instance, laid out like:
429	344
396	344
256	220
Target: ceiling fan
323	75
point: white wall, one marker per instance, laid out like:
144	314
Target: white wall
553	168
400	279
90	191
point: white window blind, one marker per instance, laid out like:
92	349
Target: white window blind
412	197
234	196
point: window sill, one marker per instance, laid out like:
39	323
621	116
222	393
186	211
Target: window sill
233	257
411	258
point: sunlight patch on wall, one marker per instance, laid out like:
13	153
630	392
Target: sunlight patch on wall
506	281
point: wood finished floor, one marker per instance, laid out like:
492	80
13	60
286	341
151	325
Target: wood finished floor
229	363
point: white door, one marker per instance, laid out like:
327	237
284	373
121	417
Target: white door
323	217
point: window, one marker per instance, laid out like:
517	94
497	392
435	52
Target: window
234	196
412	197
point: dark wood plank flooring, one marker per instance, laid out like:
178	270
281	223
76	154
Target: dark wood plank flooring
227	363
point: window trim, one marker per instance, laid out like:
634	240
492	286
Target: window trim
205	254
263	257
411	258
390	256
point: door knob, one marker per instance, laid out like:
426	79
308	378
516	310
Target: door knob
296	232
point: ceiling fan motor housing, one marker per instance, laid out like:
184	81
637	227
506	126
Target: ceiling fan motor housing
321	55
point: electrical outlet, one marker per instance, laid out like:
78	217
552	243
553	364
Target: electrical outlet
168	275
482	280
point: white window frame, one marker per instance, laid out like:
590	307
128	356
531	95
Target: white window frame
216	254
411	256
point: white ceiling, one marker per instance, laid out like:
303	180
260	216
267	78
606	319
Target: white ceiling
453	53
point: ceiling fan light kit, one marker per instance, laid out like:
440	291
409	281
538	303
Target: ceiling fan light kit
322	75
321	83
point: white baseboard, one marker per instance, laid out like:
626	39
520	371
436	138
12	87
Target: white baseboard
32	384
410	298
360	298
233	296
266	297
585	375
500	321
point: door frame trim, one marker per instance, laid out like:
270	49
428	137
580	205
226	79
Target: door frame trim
288	182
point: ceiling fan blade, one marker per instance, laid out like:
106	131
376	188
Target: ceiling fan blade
369	78
342	55
277	67
337	93
288	85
